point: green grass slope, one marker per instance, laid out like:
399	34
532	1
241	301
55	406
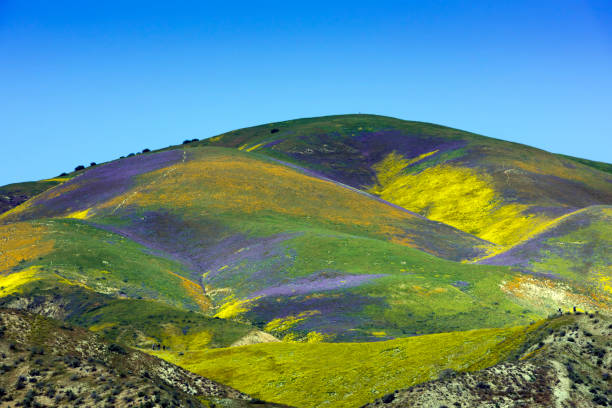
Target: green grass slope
67	269
567	366
574	249
349	375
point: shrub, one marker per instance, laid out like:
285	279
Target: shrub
79	167
130	155
274	130
186	141
70	395
63	175
20	382
93	164
146	150
115	348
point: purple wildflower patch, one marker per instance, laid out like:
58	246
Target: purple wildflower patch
316	282
460	284
100	184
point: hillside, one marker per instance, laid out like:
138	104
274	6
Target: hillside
568	367
496	190
15	194
575	247
350	374
392	250
247	237
46	363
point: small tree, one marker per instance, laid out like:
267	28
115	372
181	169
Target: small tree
92	164
79	168
146	150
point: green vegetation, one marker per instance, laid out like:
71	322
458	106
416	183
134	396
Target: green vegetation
349	374
11	195
605	167
200	246
110	263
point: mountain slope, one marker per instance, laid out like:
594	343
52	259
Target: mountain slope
15	194
349	375
317	231
45	363
497	190
568	367
574	248
267	244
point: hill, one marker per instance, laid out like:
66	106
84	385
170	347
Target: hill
46	363
12	195
381	246
516	364
575	247
569	366
254	239
496	190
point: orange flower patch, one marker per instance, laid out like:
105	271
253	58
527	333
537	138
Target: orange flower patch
22	242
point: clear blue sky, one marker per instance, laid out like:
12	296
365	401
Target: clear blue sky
85	81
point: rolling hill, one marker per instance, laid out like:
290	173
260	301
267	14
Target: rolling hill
355	229
496	190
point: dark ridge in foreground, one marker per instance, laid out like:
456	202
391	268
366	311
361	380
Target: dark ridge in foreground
568	366
44	363
12	195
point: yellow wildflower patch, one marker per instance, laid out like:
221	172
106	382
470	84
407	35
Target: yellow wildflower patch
11	283
79	215
174	337
102	326
457	196
286	323
250	149
234	308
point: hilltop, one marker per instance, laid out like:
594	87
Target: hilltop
497	190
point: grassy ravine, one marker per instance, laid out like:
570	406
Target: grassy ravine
350	374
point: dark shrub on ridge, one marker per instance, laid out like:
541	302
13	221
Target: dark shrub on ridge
79	167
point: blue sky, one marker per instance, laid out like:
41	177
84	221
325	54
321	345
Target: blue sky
84	81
